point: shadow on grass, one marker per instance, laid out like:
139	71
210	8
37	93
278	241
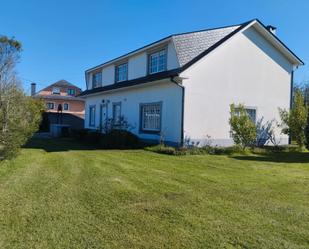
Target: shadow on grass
283	157
56	144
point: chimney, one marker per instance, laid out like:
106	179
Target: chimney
33	89
272	29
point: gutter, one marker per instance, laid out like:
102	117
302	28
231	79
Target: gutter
182	109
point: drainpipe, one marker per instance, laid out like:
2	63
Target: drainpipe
182	110
291	97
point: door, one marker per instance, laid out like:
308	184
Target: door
103	117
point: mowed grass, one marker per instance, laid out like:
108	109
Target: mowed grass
65	195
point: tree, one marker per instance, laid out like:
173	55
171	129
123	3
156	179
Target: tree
20	115
243	129
294	121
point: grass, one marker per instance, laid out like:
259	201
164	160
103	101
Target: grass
59	194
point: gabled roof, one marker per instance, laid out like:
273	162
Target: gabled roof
192	46
62	83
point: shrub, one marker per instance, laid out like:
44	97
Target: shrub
119	139
243	130
294	121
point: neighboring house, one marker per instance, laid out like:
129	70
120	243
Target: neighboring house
62	104
181	87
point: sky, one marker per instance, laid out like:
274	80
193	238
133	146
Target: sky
63	38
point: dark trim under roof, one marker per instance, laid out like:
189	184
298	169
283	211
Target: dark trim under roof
130	83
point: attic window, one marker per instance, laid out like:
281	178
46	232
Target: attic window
71	92
97	80
56	90
157	62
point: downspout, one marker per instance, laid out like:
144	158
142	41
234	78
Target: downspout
182	110
291	97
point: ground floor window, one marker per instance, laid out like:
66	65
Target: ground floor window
65	106
251	113
50	105
151	117
92	115
117	113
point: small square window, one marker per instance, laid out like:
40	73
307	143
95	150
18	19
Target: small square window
56	90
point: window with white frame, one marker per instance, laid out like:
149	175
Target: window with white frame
50	105
56	90
116	113
65	106
97	79
122	72
151	117
92	115
157	62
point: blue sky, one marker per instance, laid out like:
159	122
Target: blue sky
63	38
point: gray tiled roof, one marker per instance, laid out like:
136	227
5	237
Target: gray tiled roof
190	45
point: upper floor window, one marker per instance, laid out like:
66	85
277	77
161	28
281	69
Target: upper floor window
56	90
97	80
65	106
122	72
50	105
71	92
157	62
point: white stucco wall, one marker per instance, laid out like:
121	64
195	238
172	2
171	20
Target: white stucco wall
166	92
245	69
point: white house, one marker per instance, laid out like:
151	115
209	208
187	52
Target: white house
182	86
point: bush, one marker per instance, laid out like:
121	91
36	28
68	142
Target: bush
114	139
119	139
294	121
243	129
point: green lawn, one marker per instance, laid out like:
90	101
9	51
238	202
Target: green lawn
56	197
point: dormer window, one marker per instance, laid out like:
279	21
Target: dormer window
157	62
122	72
71	92
97	80
56	90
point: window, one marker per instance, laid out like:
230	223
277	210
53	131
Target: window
97	80
251	113
56	90
151	117
71	92
65	106
50	105
116	113
157	62
122	72
92	115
